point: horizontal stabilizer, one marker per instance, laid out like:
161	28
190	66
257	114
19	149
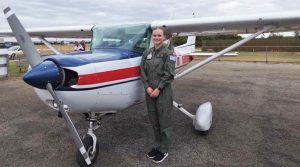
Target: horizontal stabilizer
207	54
188	47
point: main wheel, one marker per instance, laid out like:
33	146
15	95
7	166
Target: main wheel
88	144
204	133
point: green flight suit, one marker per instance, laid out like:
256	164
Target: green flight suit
158	71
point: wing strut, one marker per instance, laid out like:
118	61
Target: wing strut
49	45
218	54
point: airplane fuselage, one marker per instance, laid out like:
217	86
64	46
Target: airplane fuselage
99	81
107	78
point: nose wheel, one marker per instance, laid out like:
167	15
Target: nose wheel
88	143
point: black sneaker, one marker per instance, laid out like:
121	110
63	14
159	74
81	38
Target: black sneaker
152	153
160	157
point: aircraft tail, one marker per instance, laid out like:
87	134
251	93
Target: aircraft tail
188	47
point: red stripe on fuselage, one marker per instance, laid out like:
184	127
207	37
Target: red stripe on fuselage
186	59
109	76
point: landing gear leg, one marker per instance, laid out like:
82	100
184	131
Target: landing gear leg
202	120
90	142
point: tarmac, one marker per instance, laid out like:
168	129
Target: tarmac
256	122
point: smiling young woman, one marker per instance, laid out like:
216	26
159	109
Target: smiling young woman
157	74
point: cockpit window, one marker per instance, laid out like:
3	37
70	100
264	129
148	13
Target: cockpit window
133	37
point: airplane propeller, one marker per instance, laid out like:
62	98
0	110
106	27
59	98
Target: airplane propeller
51	68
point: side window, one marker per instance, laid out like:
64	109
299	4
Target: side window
169	43
143	43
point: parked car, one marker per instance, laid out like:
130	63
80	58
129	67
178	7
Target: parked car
15	52
2	46
5	45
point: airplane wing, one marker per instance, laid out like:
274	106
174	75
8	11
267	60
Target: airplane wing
242	24
56	32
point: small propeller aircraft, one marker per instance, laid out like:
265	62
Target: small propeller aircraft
106	78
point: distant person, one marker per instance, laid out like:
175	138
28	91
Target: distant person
78	46
82	43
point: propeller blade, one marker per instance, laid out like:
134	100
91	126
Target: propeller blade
22	37
70	124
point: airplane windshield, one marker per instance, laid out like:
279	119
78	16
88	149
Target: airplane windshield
133	37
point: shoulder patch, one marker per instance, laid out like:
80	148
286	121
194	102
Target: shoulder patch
172	57
149	56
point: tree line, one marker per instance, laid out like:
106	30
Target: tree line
179	40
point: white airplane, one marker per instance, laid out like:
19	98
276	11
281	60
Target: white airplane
106	79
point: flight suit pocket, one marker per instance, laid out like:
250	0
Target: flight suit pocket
159	63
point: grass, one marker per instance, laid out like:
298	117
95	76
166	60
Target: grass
17	68
44	50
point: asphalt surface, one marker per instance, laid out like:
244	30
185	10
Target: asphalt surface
256	123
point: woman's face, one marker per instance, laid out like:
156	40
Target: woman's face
158	37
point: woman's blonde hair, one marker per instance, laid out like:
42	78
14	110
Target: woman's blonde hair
161	28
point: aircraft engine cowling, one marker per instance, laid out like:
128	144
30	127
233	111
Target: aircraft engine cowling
42	74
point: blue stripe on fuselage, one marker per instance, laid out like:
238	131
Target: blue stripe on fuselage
95	56
97	87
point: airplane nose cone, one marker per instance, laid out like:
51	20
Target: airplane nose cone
42	74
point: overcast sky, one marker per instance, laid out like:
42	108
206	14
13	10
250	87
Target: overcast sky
45	13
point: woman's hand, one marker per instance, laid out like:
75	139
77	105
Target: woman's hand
149	90
155	93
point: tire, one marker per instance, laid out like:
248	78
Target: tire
88	144
204	133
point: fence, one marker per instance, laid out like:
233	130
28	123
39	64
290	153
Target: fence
279	45
3	63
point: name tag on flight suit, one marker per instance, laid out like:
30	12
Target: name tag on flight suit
172	57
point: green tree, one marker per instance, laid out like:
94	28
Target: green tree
179	40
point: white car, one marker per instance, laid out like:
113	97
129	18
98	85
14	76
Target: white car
15	52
